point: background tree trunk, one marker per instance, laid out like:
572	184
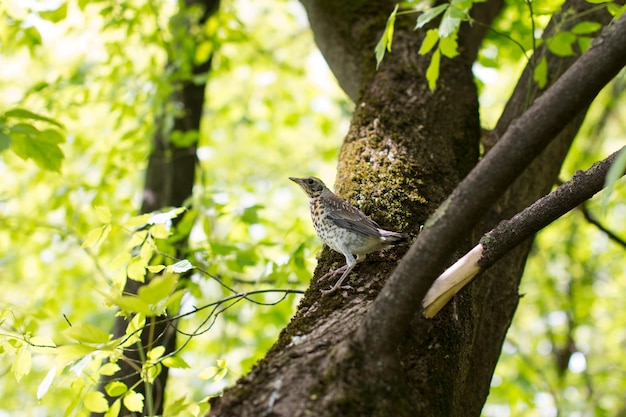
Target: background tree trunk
170	176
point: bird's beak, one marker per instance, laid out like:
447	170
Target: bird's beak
296	180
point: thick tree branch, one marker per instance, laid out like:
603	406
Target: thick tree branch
510	233
392	312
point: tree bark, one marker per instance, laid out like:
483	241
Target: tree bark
406	151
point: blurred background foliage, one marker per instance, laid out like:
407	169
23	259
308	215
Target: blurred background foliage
272	110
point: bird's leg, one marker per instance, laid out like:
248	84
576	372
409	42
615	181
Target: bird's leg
332	273
350	264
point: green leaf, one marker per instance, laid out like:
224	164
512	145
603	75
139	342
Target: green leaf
155	353
5	140
448	46
32	37
136	269
103	214
134	401
43	388
386	39
138	221
93	236
584	43
160	231
184	139
95	402
561	43
449	23
540	74
40	146
120	260
181	267
88	334
22	364
585	28
175	362
250	214
616	171
115	388
430	40
432	73
158	289
166	216
69	353
137	323
132	304
429	15
214	373
114	410
616	10
55	15
155	269
27	114
109	369
150	372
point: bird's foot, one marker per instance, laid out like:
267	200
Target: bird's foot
335	288
346	271
333	273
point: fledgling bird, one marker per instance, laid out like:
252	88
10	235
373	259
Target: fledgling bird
343	228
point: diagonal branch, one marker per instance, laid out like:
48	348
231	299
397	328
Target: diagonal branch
508	234
393	310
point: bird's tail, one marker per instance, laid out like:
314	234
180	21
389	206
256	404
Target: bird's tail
394	238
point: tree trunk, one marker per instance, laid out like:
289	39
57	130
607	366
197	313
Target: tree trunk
169	181
406	150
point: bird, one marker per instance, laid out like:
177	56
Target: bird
344	228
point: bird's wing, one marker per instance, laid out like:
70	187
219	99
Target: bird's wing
344	215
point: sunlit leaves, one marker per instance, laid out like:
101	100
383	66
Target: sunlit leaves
183	406
88	334
429	42
96	235
96	402
181	267
432	73
384	44
540	73
158	289
29	141
109	369
22	364
615	173
134	328
115	388
443	39
215	373
133	401
586	28
429	15
175	362
153	298
561	43
27	114
43	388
42	146
55	15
